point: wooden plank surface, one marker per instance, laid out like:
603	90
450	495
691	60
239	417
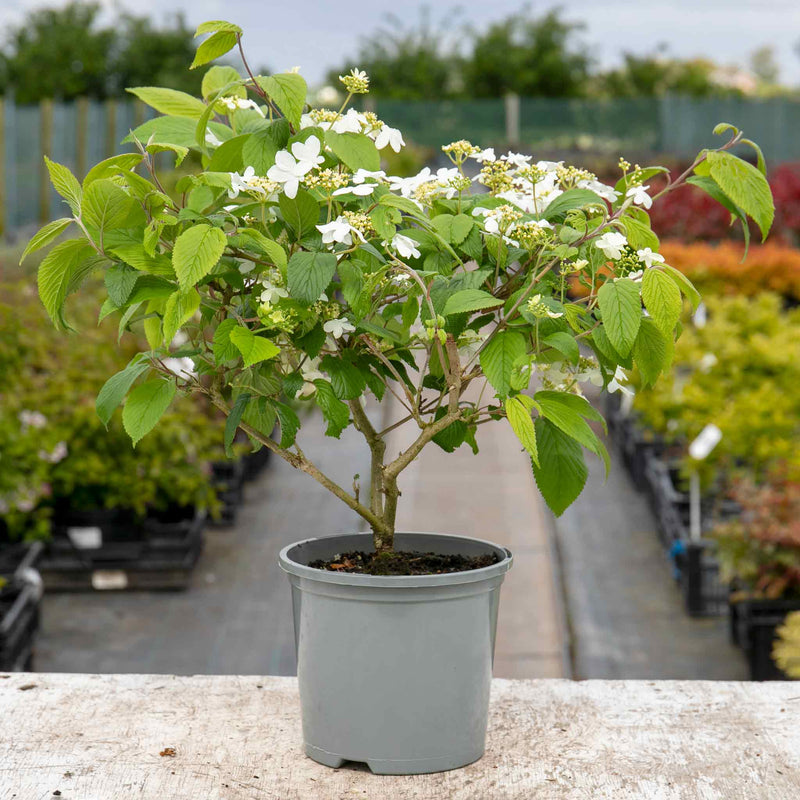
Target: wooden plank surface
103	737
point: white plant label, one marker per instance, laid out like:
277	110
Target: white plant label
87	538
105	579
706	441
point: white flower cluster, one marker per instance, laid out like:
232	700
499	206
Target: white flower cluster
356	122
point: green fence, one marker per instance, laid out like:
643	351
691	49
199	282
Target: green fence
81	133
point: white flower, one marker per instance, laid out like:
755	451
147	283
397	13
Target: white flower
549	166
290	167
405	246
307	153
606	192
179	365
338	327
611	244
640	196
351	122
59	453
648	257
32	419
362	174
211	139
484	155
389	137
362	190
635	276
517	159
340	230
619	383
240	183
240	103
407	186
272	294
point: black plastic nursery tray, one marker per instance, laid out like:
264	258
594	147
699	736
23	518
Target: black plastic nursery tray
753	626
158	555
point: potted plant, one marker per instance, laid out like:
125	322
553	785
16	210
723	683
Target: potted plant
298	269
760	554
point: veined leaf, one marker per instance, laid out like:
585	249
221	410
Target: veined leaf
117	386
169	101
561	473
650	351
519	417
335	412
346	378
66	184
289	422
355	150
46	235
233	420
569	200
179	309
112	166
565	345
145	406
621	308
252	347
288	91
470	300
498	356
215	46
224	349
300	212
308	275
196	252
662	299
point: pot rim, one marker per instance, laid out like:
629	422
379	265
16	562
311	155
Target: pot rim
397	581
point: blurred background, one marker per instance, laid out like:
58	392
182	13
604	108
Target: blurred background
163	559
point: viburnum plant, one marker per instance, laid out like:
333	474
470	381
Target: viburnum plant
296	269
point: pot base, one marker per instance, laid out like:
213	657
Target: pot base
389	766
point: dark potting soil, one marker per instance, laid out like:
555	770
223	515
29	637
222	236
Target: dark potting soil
402	562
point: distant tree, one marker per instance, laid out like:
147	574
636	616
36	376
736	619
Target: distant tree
529	56
408	63
151	56
657	75
764	65
57	53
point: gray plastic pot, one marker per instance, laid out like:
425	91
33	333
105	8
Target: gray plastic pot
394	671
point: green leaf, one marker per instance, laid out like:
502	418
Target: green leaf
169	101
46	235
580	405
498	356
621	308
252	347
519	417
105	206
565	345
662	299
61	272
137	257
180	308
112	166
215	25
233	420
309	274
745	186
215	46
709	186
346	378
120	280
301	212
180	131
355	150
761	164
66	184
460	228
561	473
217	78
686	286
639	234
224	349
260	414
228	156
288	91
335	412
196	252
557	210
650	352
272	250
259	151
145	406
470	300
289	422
117	386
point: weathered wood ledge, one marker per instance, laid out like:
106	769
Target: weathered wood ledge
107	737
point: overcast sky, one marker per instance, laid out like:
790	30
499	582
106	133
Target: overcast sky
317	34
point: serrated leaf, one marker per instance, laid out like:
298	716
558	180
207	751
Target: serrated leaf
621	308
300	212
116	387
289	422
650	352
662	299
196	252
45	235
460	228
346	378
66	184
120	280
219	77
112	166
335	412
224	349
639	234
745	186
288	91
686	286
215	46
215	25
258	151
179	309
233	420
145	406
173	130
709	186
561	473
137	257
105	205
470	300
565	345
252	347
519	417
569	200
308	275
272	250
169	101
498	356
61	272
